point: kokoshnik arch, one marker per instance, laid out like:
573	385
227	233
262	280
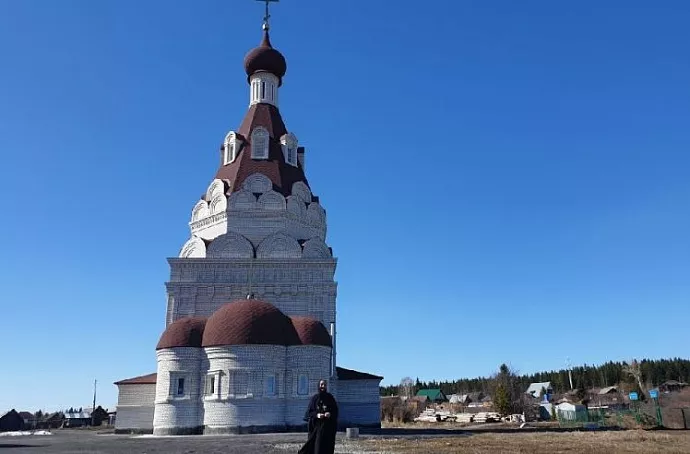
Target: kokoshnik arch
232	363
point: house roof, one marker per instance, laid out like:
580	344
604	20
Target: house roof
349	374
149	379
608	389
535	388
26	415
433	394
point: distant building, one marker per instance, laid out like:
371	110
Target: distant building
672	386
434	395
11	422
535	389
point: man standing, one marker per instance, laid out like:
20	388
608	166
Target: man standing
322	419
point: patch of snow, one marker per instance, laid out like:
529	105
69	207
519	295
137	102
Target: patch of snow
42	432
15	434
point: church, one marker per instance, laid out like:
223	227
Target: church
251	300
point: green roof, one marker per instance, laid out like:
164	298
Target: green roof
432	394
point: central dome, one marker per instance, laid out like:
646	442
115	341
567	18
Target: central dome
249	322
265	59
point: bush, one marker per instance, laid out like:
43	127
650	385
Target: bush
394	409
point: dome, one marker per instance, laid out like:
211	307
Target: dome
185	332
311	331
249	322
265	59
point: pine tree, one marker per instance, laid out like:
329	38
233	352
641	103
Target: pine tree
502	400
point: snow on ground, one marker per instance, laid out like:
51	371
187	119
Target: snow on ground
24	433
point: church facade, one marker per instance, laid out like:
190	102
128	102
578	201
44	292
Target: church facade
251	307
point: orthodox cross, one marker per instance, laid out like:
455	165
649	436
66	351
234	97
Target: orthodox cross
268	14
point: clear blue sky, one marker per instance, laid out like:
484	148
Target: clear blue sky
505	181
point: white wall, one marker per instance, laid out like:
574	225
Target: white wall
135	407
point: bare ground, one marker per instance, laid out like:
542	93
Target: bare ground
636	442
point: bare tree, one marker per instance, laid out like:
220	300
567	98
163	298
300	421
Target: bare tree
406	388
635	371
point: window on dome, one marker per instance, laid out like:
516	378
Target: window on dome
230	148
289	145
260	143
303	385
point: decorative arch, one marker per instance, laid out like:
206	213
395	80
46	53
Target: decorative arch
301	190
218	204
296	206
316	249
230	245
257	183
242	200
279	246
200	210
316	215
216	187
194	248
260	143
272	201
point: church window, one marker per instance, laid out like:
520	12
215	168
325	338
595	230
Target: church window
270	385
289	145
260	138
180	387
210	385
303	385
263	90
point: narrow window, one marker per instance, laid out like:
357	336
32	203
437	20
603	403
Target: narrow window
263	90
180	386
271	385
260	143
303	385
211	387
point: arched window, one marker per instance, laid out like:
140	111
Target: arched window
289	145
260	139
231	147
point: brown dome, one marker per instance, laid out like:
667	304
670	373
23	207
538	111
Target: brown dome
311	331
265	59
249	322
185	332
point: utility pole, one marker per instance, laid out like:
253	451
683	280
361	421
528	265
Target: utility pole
93	408
570	372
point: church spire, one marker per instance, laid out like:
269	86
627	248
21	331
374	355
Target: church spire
265	67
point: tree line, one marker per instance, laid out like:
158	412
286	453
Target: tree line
649	372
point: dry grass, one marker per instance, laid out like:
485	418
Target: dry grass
635	442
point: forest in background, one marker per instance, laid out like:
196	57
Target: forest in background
650	372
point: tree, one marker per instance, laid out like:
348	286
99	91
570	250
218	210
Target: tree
635	370
406	388
502	402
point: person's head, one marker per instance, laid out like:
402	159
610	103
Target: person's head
323	386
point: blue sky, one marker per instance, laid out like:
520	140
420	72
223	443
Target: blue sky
505	181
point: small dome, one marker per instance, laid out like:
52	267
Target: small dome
265	59
311	331
185	332
249	322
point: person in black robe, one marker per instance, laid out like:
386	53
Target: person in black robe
322	421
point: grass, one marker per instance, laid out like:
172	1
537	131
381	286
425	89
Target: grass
634	442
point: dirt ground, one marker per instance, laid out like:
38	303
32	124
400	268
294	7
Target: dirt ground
536	443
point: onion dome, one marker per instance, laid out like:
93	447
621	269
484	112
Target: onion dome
249	322
184	332
265	59
311	331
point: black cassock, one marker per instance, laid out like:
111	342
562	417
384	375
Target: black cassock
321	431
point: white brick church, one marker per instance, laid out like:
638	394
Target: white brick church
233	363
